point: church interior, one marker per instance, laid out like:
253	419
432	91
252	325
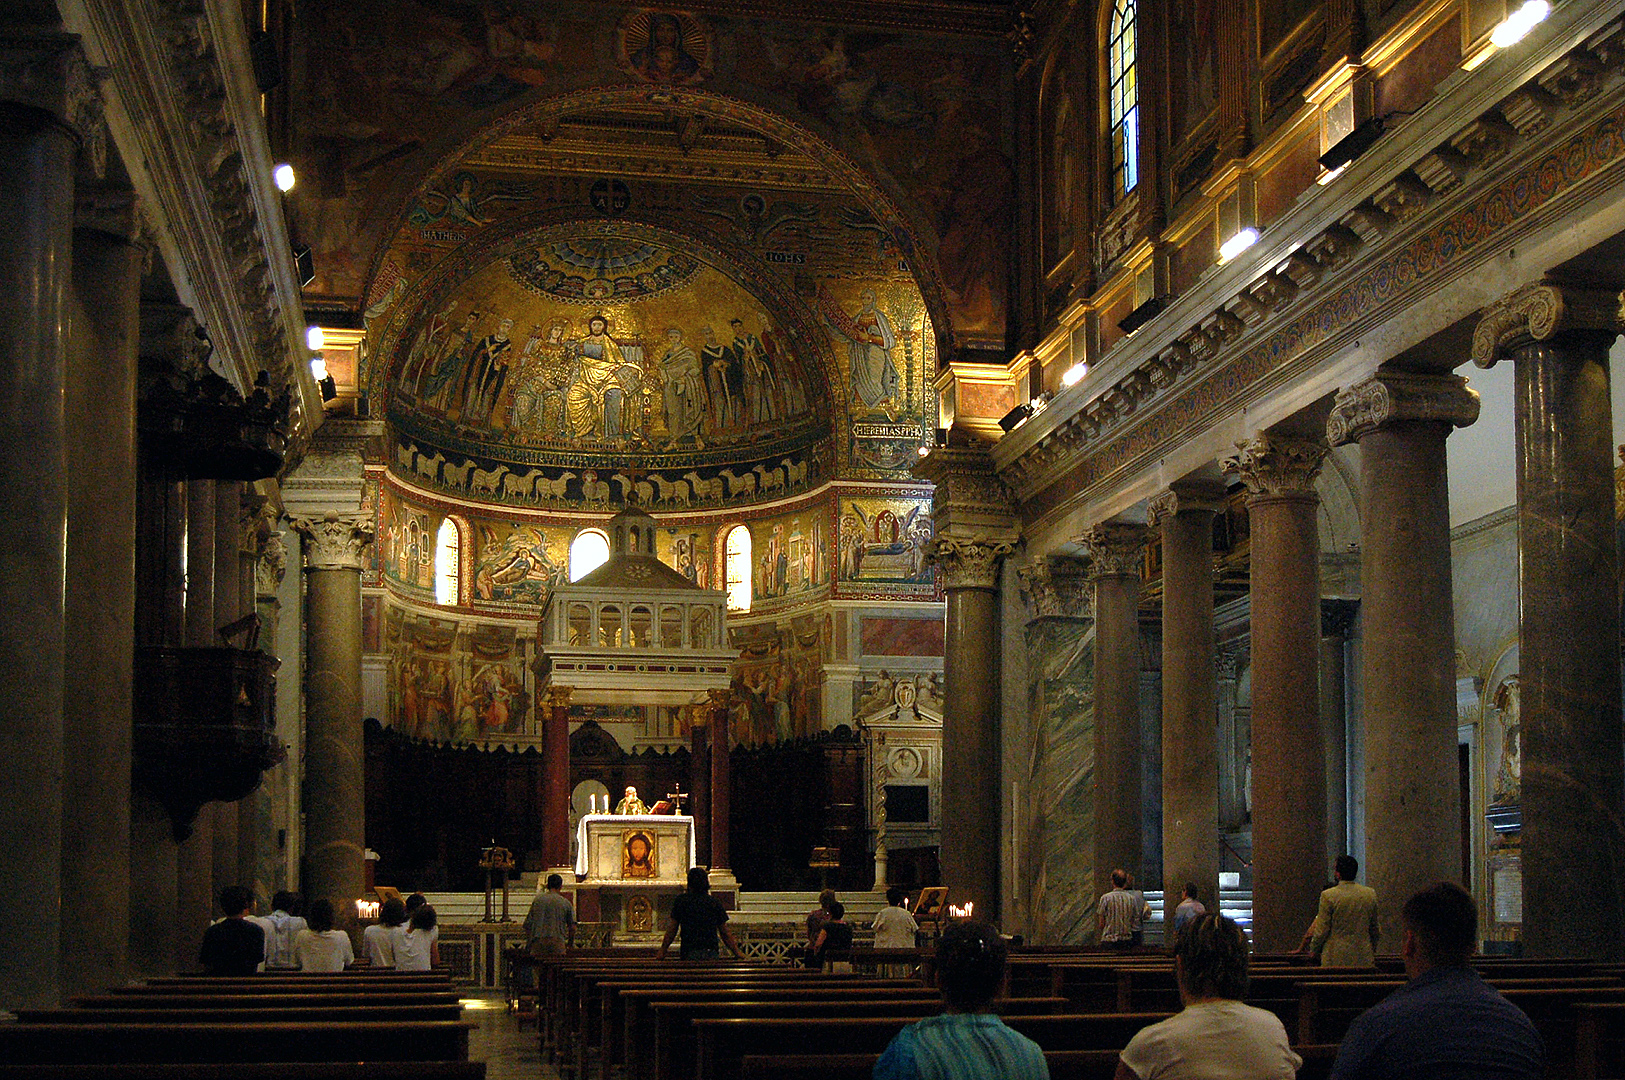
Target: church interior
951	444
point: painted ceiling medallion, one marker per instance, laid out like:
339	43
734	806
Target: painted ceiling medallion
596	269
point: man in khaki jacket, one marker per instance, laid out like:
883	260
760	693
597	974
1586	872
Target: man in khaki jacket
1345	932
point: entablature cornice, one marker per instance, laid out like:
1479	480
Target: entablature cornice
1421	207
183	110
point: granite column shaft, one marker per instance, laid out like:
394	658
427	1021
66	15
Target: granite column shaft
1116	552
1289	766
556	778
721	778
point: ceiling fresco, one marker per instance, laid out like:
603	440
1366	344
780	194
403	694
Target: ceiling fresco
398	97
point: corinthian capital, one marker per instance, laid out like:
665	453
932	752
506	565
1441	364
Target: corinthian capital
1540	312
1400	397
1116	549
1275	466
1058	587
558	697
45	81
334	541
969	563
1186	496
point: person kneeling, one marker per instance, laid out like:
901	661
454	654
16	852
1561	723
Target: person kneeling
1215	1036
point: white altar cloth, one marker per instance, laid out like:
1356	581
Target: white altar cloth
628	821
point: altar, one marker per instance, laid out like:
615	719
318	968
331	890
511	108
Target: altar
644	848
630	867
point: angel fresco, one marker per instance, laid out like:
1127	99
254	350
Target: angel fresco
465	199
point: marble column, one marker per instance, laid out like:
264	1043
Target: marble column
37	149
228	498
721	780
334	773
1289	765
269	871
1116	555
1573	837
556	779
1412	803
1336	622
99	599
969	851
699	764
1190	769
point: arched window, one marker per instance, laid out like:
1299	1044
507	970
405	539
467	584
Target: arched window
738	568
588	551
1123	99
447	568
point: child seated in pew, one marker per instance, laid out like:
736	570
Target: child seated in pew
1216	1036
379	938
319	947
417	948
967	1042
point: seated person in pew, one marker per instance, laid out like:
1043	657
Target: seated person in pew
417	945
379	939
319	947
702	920
1447	1022
280	927
1215	1036
234	945
967	1042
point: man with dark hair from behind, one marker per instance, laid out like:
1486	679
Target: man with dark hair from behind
702	920
1216	1036
967	1042
281	927
233	946
1345	930
551	921
1447	1023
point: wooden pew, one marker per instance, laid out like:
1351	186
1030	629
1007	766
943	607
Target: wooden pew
227	1014
1327	1008
1599	1040
626	1018
723	1043
279	1070
676	1047
271	1000
1063	1065
168	1043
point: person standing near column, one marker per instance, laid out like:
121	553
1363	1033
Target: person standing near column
551	922
1345	933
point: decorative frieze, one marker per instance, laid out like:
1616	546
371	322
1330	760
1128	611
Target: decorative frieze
334	541
1540	312
1276	467
968	494
971	563
1400	397
1116	549
1083	440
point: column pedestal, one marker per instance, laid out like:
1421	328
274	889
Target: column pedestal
1412	802
1190	774
1116	554
1289	765
1573	775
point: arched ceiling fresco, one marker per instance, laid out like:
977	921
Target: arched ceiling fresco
582	362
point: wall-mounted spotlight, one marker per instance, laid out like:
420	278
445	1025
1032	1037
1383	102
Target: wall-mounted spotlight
1354	144
315	339
283	175
1238	243
1074	374
1013	419
304	265
267	65
1143	314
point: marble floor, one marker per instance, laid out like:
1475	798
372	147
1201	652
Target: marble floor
509	1051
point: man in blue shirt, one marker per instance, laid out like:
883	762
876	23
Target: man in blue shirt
1447	1023
967	1042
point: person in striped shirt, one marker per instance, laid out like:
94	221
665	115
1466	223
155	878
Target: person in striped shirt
967	1042
1120	913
